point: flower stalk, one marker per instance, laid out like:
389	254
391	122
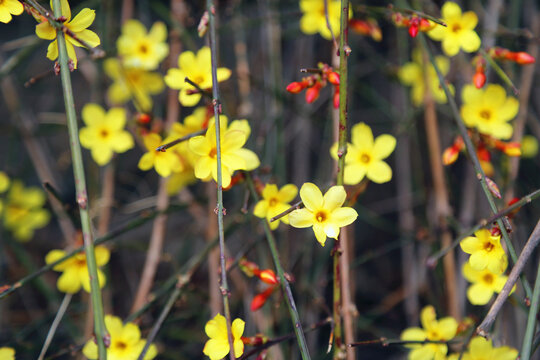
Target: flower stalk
100	330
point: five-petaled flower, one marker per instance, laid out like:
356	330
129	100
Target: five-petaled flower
126	342
75	271
489	110
7	353
365	156
484	284
132	83
140	49
275	202
198	69
8	8
324	213
78	26
481	348
412	74
165	162
486	251
217	347
459	32
23	210
233	155
432	329
313	18
104	133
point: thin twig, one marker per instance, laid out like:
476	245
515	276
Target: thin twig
531	244
168	145
526	348
288	211
59	315
80	183
328	25
289	299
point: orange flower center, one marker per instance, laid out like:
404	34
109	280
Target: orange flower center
213	153
104	133
143	48
488	246
321	216
456	27
488	279
365	158
273	202
485	114
120	345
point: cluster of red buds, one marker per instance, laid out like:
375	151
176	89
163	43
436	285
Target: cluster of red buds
368	27
314	83
520	57
414	22
483	144
267	276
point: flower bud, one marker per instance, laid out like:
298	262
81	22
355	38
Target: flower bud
522	58
333	78
260	299
450	155
268	276
336	97
295	87
312	93
479	79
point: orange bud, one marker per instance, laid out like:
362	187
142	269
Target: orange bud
268	276
450	155
515	211
260	299
413	29
479	79
399	19
359	26
248	267
312	93
295	87
333	78
144	118
426	25
336	97
512	149
522	58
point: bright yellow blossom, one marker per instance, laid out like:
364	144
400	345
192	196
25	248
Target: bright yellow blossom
233	155
489	110
365	156
165	162
78	25
217	347
197	68
529	146
275	202
432	329
486	251
459	32
7	353
132	83
140	49
23	210
126	342
324	213
8	8
482	349
75	271
484	284
104	133
4	185
313	18
412	74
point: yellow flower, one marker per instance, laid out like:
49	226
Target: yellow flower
233	155
459	32
313	18
8	8
126	342
165	162
104	133
132	83
275	202
489	110
365	156
197	68
78	25
484	284
75	271
7	353
23	210
432	329
141	49
486	251
482	349
529	146
324	213
4	185
412	74
217	347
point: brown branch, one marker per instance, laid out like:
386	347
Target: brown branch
288	211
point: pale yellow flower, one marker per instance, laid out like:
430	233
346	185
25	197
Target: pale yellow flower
217	347
140	49
274	202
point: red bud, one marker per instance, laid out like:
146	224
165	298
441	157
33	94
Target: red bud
268	276
450	155
495	231
333	78
522	58
336	97
260	299
359	26
295	87
312	93
413	30
479	79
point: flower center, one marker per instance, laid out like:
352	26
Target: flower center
143	48
213	153
321	216
488	246
485	114
273	202
104	133
488	278
120	345
456	27
433	335
365	158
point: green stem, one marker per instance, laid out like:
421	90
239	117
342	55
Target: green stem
531	320
80	184
474	158
289	299
217	110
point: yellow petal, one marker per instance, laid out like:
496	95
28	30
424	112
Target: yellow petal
383	146
320	234
45	31
311	196
69	281
90	350
334	198
479	294
52	50
237	328
82	20
343	216
354	173
146	162
158	32
93	114
450	10
362	136
470	41
101	154
102	255
88	36
379	172
216	349
287	193
301	218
